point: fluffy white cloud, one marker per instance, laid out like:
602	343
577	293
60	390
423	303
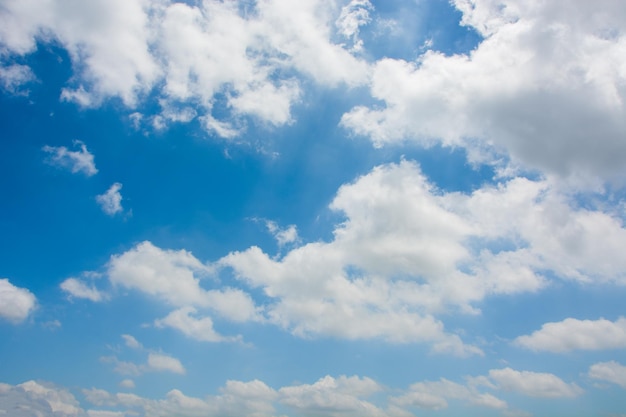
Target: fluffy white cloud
190	54
533	384
161	362
79	289
127	383
282	236
434	395
16	303
174	277
545	86
80	161
60	401
111	200
571	334
407	251
335	396
195	328
609	371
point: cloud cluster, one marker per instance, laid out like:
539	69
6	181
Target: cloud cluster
193	54
545	87
572	334
407	251
16	303
342	396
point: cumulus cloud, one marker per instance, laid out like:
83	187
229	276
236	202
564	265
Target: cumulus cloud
609	371
341	396
79	289
161	362
545	86
534	384
192	327
80	161
434	395
191	54
16	303
407	252
174	277
37	399
572	334
111	200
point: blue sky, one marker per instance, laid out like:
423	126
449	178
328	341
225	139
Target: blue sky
316	208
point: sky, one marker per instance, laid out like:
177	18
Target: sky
313	208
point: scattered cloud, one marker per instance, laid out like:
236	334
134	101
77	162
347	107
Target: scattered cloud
572	334
282	236
545	87
534	384
131	342
79	289
80	161
609	371
111	200
161	362
192	327
340	396
156	362
434	395
14	77
16	303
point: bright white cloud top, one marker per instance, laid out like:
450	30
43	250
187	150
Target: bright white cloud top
331	208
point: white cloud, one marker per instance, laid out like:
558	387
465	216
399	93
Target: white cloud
61	401
195	328
161	362
282	236
13	77
111	200
407	251
80	161
572	334
174	277
131	342
545	86
352	17
434	395
335	396
609	371
16	303
156	362
534	384
193	54
79	289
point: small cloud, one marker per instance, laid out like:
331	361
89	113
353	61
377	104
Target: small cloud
111	201
79	289
80	161
127	383
13	77
52	325
609	371
282	236
131	342
16	304
162	362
